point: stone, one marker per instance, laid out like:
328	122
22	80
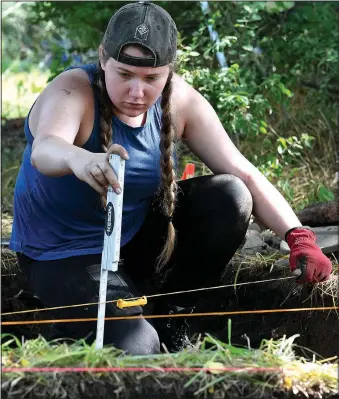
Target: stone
253	243
271	239
320	214
254	226
284	248
327	239
281	264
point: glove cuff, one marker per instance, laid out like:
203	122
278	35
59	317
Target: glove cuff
300	233
298	227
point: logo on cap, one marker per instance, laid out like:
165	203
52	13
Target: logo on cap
141	32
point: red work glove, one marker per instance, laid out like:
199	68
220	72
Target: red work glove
307	256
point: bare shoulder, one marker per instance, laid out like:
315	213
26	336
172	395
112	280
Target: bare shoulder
182	96
73	80
64	99
69	84
182	91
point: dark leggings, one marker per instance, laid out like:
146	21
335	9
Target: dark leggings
211	219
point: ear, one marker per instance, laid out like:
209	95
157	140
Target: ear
101	58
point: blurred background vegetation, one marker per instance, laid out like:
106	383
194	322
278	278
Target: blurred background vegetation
277	95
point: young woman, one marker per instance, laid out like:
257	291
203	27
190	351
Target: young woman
133	104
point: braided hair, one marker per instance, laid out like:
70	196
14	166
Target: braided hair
106	112
168	177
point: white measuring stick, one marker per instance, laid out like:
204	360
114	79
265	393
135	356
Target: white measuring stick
111	249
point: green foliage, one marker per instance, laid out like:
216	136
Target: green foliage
56	67
20	38
272	50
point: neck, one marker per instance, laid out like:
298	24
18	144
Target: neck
136	121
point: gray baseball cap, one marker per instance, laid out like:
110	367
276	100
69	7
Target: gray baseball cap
145	24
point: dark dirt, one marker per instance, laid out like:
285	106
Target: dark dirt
318	330
12	133
125	386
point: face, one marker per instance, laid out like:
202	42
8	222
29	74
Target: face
133	90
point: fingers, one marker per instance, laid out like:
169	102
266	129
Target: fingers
323	277
111	177
108	170
118	149
99	176
97	187
99	172
318	277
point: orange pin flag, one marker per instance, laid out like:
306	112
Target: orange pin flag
189	171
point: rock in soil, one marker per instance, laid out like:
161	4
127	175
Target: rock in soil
253	243
321	214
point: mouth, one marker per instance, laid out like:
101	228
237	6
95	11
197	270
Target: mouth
135	105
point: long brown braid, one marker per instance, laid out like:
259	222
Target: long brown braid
106	112
167	140
168	177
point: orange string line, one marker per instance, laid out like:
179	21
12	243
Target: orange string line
240	312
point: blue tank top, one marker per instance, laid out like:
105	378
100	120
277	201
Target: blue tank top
59	217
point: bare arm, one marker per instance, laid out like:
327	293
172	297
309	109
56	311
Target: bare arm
206	137
53	156
60	113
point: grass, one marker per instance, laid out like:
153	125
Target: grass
291	374
6	224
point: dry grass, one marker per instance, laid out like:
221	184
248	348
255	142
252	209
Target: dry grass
9	263
275	266
6	225
301	186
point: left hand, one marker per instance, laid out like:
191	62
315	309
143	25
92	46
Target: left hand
307	256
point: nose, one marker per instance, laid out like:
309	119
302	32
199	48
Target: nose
136	89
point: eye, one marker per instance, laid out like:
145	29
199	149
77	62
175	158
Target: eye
124	75
152	78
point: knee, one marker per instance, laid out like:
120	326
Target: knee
143	340
234	194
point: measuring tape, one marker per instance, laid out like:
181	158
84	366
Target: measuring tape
111	250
